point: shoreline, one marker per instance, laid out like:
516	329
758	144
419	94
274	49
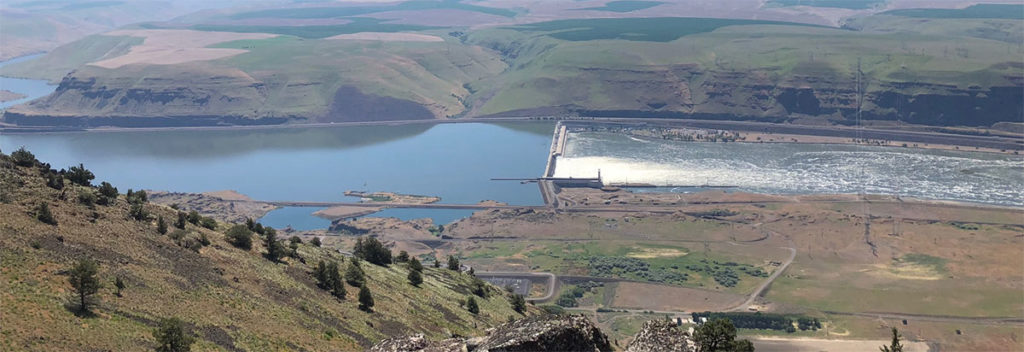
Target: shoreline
984	143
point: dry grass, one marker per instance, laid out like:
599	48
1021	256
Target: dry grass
671	298
230	297
388	37
175	46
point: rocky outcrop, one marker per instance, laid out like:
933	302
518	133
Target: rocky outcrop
418	343
544	333
659	336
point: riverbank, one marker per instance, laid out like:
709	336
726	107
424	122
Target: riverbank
782	132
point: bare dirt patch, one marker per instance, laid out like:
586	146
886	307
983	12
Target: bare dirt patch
388	37
663	297
6	95
229	206
342	212
649	253
814	345
175	46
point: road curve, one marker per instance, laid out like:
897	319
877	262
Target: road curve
552	281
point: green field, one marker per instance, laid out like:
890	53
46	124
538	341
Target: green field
349	11
358	24
663	29
625	6
842	4
648	262
992	11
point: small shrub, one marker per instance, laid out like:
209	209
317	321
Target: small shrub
316	242
177	235
354	274
80	175
86	197
471	305
208	223
365	299
239	236
23	157
161	225
415	278
138	212
171	336
43	214
181	221
139	197
54	180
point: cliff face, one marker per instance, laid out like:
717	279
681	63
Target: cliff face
754	96
147	96
198	95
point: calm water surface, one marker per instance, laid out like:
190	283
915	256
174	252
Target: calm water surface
30	88
453	161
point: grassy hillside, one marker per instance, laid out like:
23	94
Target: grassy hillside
946	70
232	299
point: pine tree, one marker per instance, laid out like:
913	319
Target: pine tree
172	337
337	284
23	157
414	265
79	175
161	225
119	284
181	221
472	306
84	282
354	274
320	273
453	263
274	249
365	299
896	346
402	257
43	214
415	278
437	263
239	236
518	303
315	242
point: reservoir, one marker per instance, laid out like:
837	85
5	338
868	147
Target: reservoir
452	161
30	88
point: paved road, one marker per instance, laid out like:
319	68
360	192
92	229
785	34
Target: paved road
552	281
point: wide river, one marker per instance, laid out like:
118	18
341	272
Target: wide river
453	161
798	168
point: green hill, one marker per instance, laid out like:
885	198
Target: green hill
947	70
230	298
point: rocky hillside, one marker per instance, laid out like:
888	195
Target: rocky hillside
230	298
548	333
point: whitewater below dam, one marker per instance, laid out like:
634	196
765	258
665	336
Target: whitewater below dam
795	168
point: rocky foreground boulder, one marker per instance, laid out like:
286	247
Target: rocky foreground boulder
659	336
545	333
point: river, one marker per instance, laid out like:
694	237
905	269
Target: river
31	88
792	168
452	161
